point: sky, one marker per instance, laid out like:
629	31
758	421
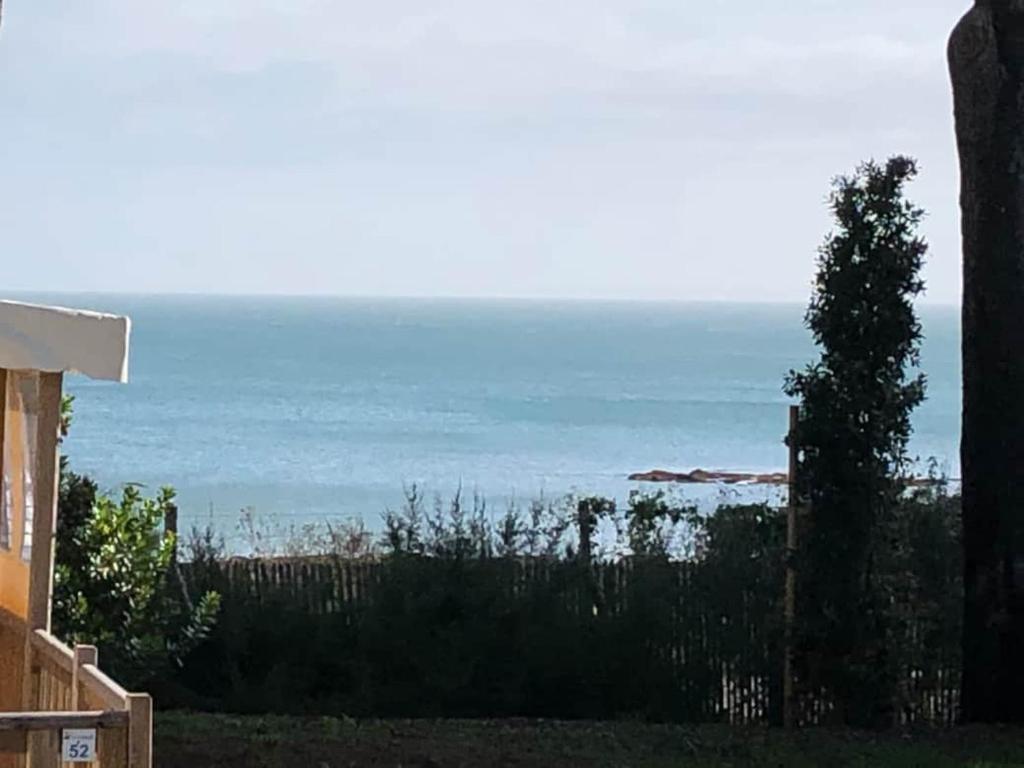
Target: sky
625	149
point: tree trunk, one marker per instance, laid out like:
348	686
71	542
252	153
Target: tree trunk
986	55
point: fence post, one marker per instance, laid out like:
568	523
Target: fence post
84	654
171	526
140	730
584	521
788	703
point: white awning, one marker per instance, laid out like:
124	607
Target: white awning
56	339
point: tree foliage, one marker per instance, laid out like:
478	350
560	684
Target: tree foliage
114	583
854	430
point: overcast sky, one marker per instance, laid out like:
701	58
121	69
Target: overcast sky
661	149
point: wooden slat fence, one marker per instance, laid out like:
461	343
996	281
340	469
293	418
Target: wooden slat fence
723	640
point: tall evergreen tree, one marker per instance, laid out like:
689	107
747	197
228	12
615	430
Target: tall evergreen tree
853	434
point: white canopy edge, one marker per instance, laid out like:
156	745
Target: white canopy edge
57	339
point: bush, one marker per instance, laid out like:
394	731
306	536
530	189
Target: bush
113	587
114	581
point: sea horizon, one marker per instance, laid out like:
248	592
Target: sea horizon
325	407
32	296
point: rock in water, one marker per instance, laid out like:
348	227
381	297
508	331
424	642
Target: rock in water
703	476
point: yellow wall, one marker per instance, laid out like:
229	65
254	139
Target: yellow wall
14	571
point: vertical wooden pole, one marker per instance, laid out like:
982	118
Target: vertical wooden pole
788	703
584	517
171	521
140	730
171	529
84	654
585	591
46	485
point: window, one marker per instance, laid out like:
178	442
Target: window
26	535
28	399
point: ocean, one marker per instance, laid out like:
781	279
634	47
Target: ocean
311	409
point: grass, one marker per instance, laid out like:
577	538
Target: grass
185	740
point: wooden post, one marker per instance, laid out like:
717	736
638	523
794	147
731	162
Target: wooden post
84	654
788	703
584	517
140	730
171	528
47	483
171	521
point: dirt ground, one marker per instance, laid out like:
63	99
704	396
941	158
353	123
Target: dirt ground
207	741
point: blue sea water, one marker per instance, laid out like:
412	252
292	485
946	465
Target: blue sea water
315	408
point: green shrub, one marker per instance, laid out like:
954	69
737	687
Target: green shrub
115	584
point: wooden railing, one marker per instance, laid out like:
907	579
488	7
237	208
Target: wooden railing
19	729
64	688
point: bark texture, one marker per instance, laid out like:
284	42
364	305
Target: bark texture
986	55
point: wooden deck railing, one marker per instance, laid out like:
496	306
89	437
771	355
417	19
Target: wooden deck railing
64	688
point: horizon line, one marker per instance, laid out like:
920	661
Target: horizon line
437	297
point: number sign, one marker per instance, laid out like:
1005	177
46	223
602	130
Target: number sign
79	745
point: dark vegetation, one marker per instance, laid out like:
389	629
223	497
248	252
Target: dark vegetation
456	618
853	432
675	618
